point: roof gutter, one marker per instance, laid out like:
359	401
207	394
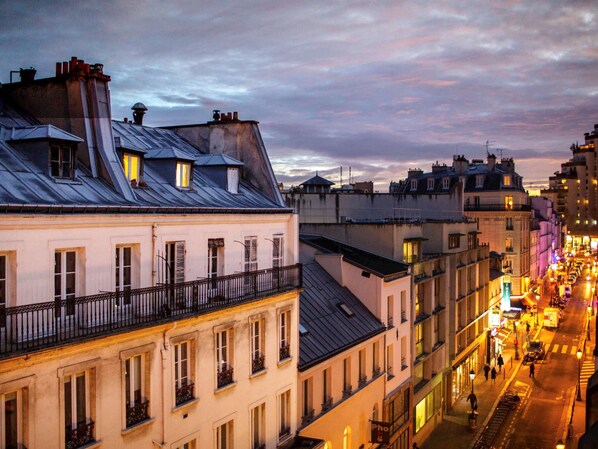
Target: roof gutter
125	209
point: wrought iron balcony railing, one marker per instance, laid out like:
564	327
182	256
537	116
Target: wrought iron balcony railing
327	404
347	391
225	375
307	417
258	363
185	393
139	412
362	380
497	207
285	351
39	326
79	436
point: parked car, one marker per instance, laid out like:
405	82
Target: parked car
535	351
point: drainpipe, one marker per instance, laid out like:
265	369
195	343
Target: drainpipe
164	358
154	238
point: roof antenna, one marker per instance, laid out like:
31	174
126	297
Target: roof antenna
488	142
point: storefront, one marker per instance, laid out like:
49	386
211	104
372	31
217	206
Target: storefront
461	381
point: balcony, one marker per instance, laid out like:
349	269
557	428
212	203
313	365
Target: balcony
496	207
184	393
307	417
80	435
139	412
34	327
285	351
327	404
225	375
258	363
347	391
363	379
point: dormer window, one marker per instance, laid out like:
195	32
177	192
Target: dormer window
479	181
62	159
414	184
445	183
132	166
430	183
232	179
183	174
506	180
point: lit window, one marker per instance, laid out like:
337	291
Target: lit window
62	162
508	202
509	244
183	174
506	180
131	165
454	241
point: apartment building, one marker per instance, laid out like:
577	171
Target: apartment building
576	190
382	286
149	282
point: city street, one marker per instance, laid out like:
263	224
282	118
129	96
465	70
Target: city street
548	400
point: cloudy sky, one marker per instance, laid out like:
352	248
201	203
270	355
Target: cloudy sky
378	86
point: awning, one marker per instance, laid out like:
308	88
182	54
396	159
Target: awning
529	301
503	334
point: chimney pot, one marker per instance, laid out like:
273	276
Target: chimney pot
126	119
138	113
235	115
65	68
216	114
58	69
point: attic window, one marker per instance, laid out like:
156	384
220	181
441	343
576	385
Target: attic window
62	161
303	330
346	310
414	184
506	180
479	181
183	175
132	167
430	183
232	180
445	183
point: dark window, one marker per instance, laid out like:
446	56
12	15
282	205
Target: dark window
61	162
454	241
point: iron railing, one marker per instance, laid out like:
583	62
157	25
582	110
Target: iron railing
139	412
285	351
258	363
80	435
39	326
225	375
184	392
327	404
496	207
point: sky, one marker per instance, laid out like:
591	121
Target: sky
378	86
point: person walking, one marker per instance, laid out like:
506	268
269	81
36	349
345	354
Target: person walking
532	370
527	327
500	362
493	375
486	370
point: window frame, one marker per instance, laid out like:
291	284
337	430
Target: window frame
284	334
62	290
60	161
284	415
225	431
446	182
145	353
183	174
257	344
430	184
232	179
224	355
278	251
257	426
23	389
129	168
454	240
413	185
250	261
175	343
479	181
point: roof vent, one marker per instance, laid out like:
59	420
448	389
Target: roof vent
138	113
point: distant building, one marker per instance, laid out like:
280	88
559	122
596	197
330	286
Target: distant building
576	190
317	184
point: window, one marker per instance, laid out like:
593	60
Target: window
187	445
79	426
362	376
225	435
62	162
277	251
445	183
454	241
509	224
419	339
250	253
479	181
65	282
183	375
308	408
403	352
183	175
224	357
326	389
411	251
123	274
508	202
215	261
418	301
136	368
232	179
436	322
509	244
175	262
284	334
506	180
375	359
132	166
403	306
258	427
430	183
3	291
390	311
414	184
347	438
472	240
257	340
390	361
284	414
11	419
347	387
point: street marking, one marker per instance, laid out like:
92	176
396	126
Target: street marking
555	347
564	350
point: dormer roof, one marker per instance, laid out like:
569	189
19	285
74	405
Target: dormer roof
39	132
217	160
169	153
317	181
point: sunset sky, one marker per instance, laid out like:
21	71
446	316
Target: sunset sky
378	86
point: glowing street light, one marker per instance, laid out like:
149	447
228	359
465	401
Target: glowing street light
472	376
560	444
579	353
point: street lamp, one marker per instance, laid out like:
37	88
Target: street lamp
579	374
472	376
515	324
560	444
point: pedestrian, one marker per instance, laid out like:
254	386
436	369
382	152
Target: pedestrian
486	370
415	446
473	400
493	375
500	362
527	327
532	370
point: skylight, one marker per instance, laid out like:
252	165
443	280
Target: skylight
347	311
302	330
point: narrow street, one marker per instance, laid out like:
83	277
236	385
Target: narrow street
545	409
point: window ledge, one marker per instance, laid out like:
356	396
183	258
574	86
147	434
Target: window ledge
258	373
92	445
226	387
66	181
185	405
284	361
137	426
283	439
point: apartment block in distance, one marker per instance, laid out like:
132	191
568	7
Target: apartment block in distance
149	282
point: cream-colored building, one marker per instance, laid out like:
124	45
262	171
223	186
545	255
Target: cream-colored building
149	283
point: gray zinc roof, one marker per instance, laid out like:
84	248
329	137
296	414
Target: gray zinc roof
317	181
329	330
38	132
217	160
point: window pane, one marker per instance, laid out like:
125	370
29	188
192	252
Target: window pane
137	379
81	399
128	381
68	402
10	420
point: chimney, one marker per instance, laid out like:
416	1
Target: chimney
138	113
460	164
27	75
491	161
